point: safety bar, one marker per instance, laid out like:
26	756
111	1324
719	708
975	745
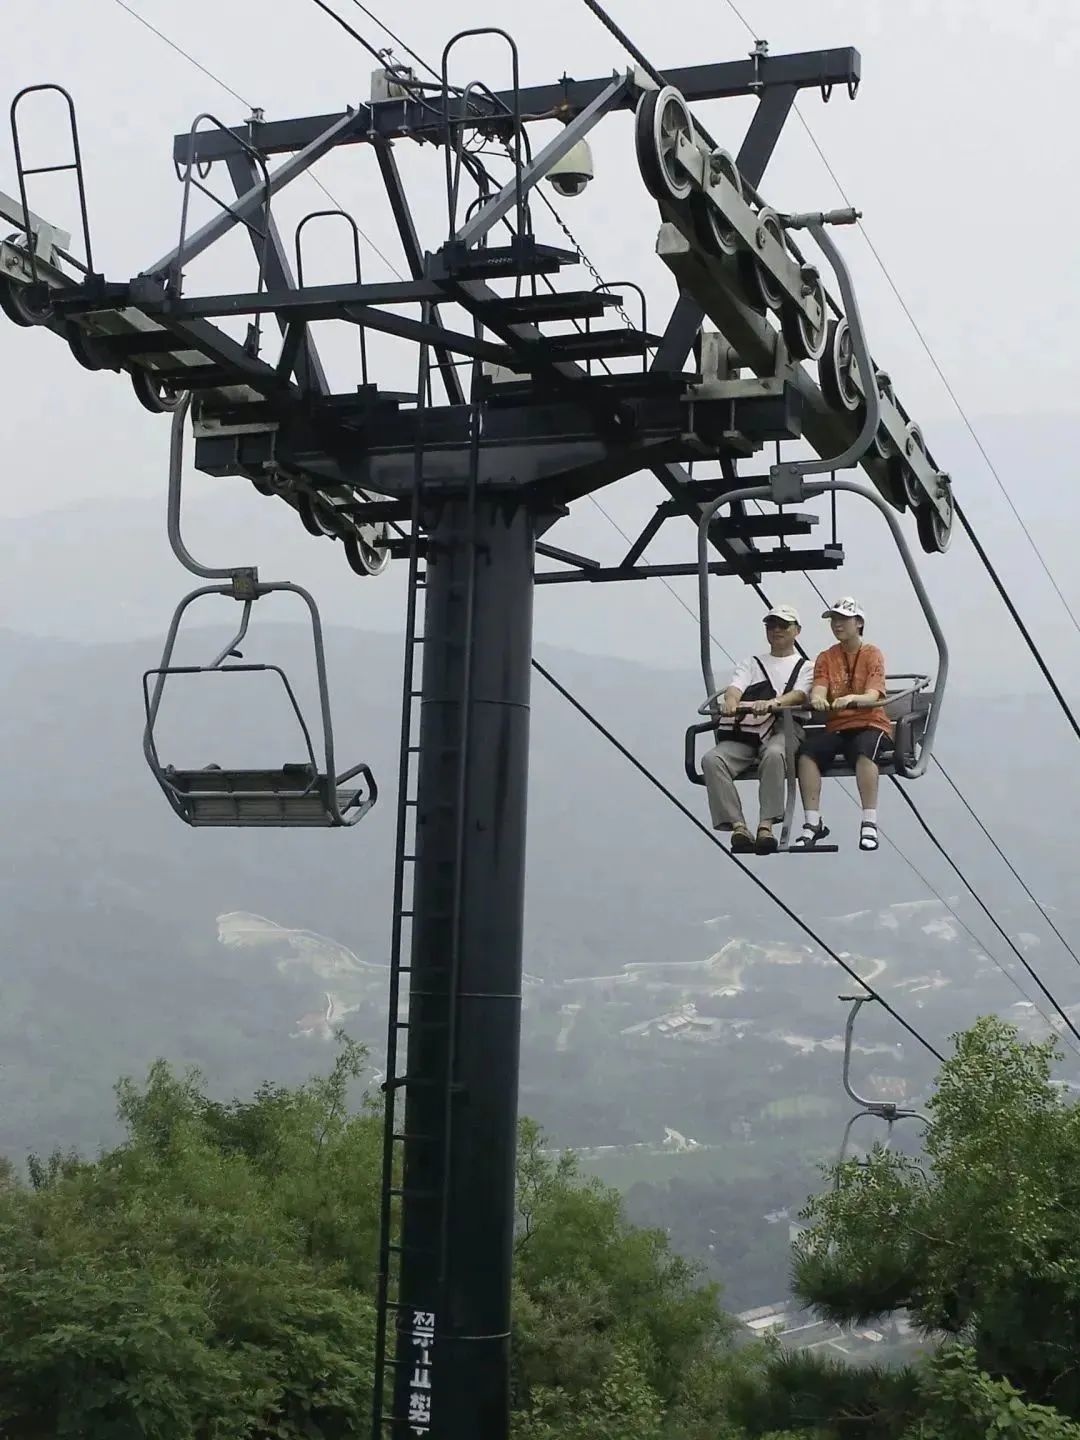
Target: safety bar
890	698
152	705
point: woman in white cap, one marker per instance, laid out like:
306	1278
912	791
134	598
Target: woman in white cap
849	686
749	739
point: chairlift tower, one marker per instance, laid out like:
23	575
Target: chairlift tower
525	402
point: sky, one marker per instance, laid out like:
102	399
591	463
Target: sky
964	109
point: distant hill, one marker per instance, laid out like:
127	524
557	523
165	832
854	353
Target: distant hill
110	950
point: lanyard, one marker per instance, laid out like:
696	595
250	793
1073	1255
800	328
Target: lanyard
849	666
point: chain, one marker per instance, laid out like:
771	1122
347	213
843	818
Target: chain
620	308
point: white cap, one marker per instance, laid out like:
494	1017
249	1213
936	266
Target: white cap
849	608
787	613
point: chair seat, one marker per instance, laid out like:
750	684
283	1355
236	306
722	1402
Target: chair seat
295	795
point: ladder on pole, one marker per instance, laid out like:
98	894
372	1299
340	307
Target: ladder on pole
395	1181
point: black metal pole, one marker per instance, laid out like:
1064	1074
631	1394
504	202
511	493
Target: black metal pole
452	1354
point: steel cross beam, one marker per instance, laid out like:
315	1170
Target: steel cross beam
307	367
393	119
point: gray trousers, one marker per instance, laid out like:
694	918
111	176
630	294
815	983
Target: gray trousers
725	762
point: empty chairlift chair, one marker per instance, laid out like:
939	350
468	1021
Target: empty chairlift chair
306	792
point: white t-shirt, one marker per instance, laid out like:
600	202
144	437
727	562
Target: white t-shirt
778	669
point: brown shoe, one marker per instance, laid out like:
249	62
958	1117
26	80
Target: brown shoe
766	843
742	842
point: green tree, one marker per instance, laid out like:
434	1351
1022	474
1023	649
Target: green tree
613	1334
211	1279
985	1246
207	1279
982	1249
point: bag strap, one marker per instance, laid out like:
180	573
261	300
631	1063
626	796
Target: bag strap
795	674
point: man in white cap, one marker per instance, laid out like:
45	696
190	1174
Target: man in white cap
750	740
849	686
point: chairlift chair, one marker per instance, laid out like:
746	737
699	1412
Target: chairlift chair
908	704
302	793
886	1110
914	706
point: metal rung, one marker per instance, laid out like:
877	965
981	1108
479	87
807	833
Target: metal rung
50	169
402	1082
402	1194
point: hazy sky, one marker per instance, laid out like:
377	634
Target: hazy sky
964	107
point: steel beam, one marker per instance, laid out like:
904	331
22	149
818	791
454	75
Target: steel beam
314	302
301	352
252	201
767	562
392	119
414	258
499	205
759	142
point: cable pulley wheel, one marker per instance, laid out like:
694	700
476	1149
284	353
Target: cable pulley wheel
837	369
313	516
663	116
719	236
935	529
160	397
86	350
763	291
365	559
17	305
805	340
913	491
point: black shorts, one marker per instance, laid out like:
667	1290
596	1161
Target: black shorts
825	746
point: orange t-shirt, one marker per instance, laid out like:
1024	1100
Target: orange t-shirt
842	674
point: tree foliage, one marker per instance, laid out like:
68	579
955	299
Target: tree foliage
985	1246
211	1279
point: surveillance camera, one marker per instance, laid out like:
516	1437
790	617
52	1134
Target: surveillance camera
572	173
